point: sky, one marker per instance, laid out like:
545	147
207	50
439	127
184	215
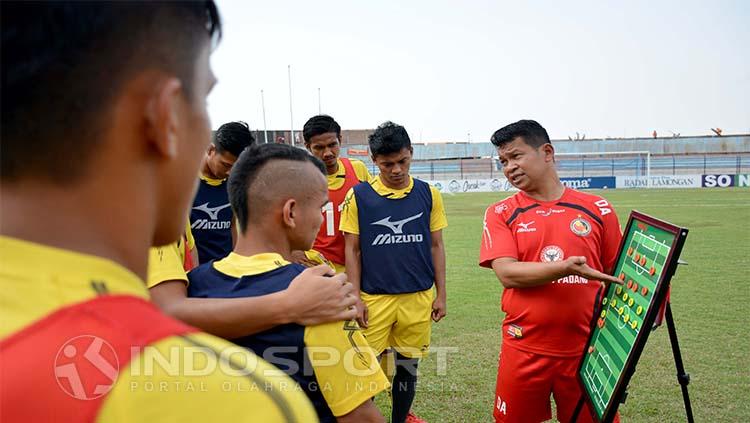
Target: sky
453	71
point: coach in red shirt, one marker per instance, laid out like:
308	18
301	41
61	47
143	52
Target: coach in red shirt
551	247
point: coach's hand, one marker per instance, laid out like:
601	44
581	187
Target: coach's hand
439	309
363	315
576	265
318	295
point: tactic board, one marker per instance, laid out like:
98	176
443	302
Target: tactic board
646	262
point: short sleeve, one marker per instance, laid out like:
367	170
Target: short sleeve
611	239
360	169
347	371
438	218
349	214
317	257
164	264
189	239
497	239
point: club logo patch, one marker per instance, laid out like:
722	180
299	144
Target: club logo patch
501	208
580	226
552	253
515	331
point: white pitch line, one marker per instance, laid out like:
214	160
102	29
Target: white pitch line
656	243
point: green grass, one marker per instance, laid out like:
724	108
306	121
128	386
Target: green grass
710	302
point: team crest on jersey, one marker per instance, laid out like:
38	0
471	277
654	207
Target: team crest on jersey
552	253
580	226
515	331
501	208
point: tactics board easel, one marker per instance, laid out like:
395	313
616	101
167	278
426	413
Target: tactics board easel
647	260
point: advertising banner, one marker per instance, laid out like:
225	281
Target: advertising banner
593	182
659	181
717	181
455	186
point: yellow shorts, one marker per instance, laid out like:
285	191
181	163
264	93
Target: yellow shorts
320	259
401	321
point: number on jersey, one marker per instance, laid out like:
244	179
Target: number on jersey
330	218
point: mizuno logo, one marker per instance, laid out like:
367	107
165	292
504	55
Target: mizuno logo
211	224
526	227
398	226
397	239
212	212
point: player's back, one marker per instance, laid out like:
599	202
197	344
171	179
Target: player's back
333	388
79	332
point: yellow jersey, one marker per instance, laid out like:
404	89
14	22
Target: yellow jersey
167	263
345	371
349	212
177	378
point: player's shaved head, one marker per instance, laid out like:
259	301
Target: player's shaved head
267	175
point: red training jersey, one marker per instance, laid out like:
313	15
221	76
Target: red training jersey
551	319
330	240
59	375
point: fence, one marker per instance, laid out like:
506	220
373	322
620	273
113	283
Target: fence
586	166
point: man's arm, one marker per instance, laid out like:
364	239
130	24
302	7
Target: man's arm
312	298
352	254
351	383
299	257
516	274
439	308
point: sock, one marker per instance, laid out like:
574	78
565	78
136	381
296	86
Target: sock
404	387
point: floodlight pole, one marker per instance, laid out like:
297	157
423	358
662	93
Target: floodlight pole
291	115
263	105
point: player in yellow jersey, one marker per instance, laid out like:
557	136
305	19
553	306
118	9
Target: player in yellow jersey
276	192
394	255
309	300
111	95
323	140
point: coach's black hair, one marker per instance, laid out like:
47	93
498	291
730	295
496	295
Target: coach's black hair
64	63
530	131
388	138
318	125
247	168
233	137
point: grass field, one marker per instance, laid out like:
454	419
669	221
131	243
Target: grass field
710	302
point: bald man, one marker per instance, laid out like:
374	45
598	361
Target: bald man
276	192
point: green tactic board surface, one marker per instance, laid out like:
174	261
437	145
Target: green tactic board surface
627	311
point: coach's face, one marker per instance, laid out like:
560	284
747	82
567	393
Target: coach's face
394	168
525	166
